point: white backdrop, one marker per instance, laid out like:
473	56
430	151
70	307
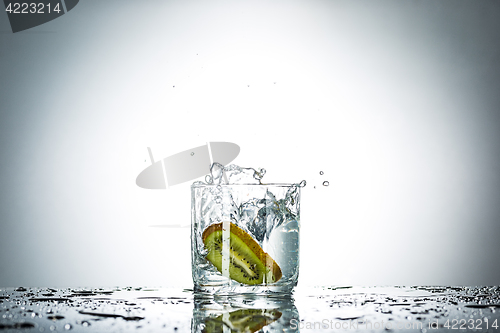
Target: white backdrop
396	102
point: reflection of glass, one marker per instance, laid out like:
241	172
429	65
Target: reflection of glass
245	238
244	320
244	314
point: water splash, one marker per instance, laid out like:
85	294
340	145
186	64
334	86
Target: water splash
234	174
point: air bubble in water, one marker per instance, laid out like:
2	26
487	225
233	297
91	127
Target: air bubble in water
326	183
68	327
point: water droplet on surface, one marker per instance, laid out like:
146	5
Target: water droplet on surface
55	317
326	183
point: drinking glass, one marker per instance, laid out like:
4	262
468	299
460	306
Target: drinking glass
245	238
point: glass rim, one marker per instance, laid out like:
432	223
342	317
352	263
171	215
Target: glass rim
194	185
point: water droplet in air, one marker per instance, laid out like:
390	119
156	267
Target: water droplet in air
208	179
326	183
302	183
321	172
258	175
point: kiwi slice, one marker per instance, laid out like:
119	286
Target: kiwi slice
248	263
244	320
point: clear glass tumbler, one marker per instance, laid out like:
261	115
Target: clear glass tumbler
245	238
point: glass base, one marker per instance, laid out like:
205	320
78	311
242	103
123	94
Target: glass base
239	290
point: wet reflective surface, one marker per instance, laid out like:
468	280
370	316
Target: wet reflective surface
320	309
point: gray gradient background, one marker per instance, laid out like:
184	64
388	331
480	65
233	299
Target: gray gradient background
396	101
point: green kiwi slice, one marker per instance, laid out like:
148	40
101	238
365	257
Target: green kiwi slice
248	263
